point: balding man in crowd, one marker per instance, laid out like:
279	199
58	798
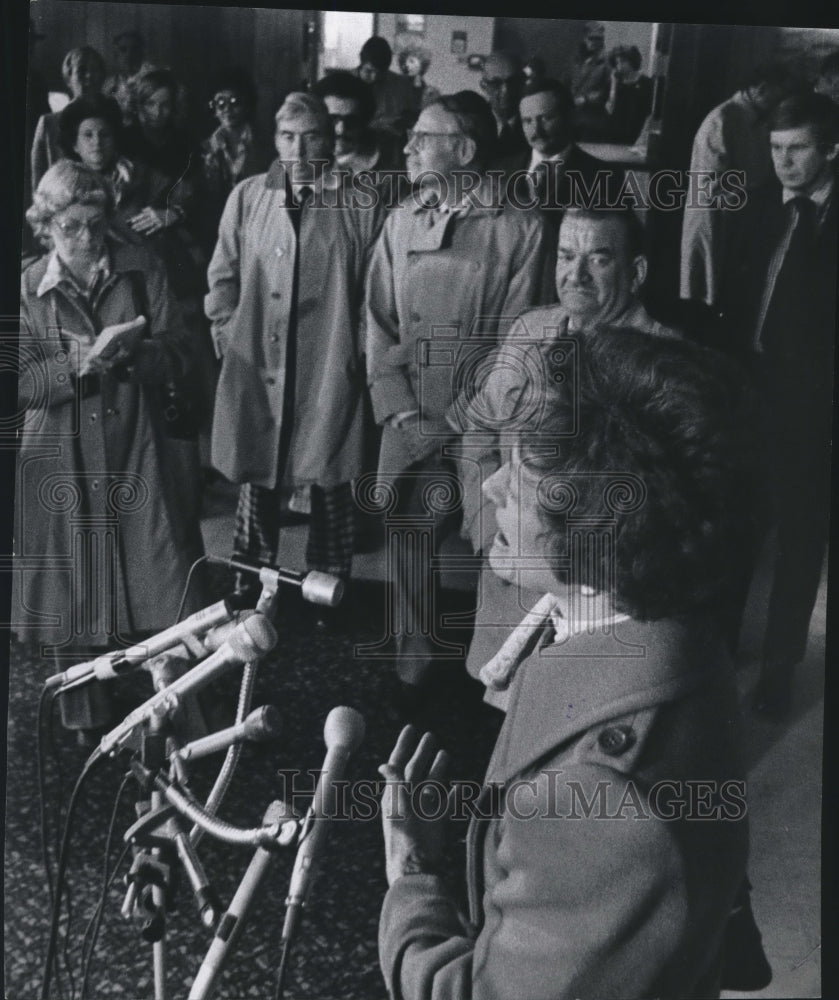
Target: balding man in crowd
502	81
600	270
449	268
285	303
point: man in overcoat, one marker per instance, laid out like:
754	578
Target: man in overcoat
454	265
285	303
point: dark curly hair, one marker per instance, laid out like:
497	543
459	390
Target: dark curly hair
79	111
340	83
236	79
657	442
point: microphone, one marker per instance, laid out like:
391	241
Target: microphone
342	733
261	725
230	925
250	640
317	587
120	661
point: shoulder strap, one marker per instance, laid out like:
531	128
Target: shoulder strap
140	296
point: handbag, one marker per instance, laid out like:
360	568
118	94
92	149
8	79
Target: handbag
174	400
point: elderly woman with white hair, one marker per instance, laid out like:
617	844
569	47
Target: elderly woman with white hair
106	531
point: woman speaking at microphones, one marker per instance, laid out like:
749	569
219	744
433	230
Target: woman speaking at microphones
607	848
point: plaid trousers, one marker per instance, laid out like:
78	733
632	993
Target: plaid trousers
329	548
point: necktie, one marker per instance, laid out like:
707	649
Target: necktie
303	196
789	294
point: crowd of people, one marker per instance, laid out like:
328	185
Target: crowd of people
290	321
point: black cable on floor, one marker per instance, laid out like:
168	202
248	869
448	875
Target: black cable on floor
45	704
285	951
92	929
61	872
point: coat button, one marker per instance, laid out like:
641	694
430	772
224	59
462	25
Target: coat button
93	418
95	484
279	251
61	357
415	317
615	740
270	380
274	338
110	412
276	295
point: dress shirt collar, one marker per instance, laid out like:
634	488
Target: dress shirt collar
819	197
57	273
561	157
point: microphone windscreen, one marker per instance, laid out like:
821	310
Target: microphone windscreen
253	638
322	588
263	723
344	727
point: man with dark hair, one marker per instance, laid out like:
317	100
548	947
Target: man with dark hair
502	80
392	92
780	308
559	173
351	106
732	136
453	263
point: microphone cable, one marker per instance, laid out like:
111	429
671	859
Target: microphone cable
187	585
61	874
285	951
46	748
91	933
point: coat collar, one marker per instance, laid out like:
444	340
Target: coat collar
483	199
277	177
46	273
57	273
562	690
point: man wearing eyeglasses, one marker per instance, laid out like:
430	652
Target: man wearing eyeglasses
351	106
502	82
453	264
285	303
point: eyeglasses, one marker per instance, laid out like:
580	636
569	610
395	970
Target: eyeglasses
222	103
72	228
417	138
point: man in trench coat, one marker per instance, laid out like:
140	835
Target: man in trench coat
285	304
452	269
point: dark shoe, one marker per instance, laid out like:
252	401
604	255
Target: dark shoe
772	697
745	966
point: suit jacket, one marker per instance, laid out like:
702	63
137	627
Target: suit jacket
563	902
579	179
749	281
